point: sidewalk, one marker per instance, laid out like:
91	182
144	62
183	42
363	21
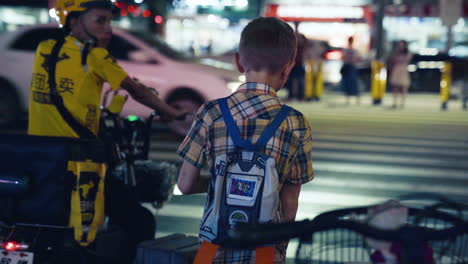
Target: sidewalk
421	108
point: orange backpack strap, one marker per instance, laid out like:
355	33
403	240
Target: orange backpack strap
206	253
264	255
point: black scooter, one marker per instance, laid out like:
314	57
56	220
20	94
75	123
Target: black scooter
152	182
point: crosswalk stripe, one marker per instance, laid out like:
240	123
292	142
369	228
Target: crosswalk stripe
420	120
391	186
366	113
313	202
459	150
363	113
389	170
436	133
196	212
401	149
390	159
321	201
357	140
163	234
389	140
321	148
164	156
365	168
349	116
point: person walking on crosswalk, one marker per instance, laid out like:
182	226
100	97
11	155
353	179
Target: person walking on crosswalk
464	89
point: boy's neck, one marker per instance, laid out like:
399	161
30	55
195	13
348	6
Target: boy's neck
265	77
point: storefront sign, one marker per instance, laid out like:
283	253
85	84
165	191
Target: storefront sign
425	10
450	11
315	12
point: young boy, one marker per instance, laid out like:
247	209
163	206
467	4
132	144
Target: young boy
266	55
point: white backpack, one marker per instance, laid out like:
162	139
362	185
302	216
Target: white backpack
245	182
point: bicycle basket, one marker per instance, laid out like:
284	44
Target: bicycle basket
345	246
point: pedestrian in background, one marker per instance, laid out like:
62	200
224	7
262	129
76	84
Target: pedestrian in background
349	75
464	88
266	56
209	47
192	48
313	58
464	94
400	79
296	79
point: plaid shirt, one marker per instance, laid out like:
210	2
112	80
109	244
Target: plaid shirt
252	106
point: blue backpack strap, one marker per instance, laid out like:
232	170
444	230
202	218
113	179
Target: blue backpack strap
233	130
273	126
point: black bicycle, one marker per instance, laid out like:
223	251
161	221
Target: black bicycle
434	233
152	181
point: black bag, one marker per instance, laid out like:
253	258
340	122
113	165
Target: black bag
44	161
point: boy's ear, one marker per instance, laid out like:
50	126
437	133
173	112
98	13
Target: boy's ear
238	65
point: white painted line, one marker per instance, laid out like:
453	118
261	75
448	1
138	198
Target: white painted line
381	148
391	186
336	199
160	234
164	156
355	139
323	200
343	167
381	140
397	159
422	148
178	210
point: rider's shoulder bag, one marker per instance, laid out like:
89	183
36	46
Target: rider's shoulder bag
66	174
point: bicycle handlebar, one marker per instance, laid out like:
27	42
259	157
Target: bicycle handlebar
244	235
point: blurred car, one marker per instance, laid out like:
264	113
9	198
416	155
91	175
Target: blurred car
332	58
180	82
226	57
426	71
459	50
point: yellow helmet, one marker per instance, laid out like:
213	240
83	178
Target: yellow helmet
65	7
